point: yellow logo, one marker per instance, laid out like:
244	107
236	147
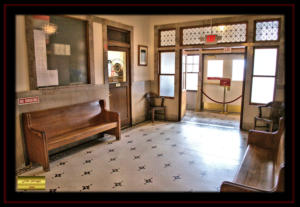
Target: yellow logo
31	183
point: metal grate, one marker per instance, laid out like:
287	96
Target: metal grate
167	38
267	30
228	33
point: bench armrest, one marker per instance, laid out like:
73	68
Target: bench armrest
261	139
235	187
108	116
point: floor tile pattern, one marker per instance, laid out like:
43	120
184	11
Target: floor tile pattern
159	156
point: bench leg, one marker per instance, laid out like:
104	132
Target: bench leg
46	167
118	133
153	115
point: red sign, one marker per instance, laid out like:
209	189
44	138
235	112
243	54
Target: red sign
225	81
28	100
210	39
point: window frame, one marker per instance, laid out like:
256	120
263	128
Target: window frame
269	76
31	53
266	20
166	74
186	72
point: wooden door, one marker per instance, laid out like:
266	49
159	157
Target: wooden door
119	83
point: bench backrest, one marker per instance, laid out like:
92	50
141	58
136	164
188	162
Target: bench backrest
61	120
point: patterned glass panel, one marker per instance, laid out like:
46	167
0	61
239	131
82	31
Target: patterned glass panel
167	38
228	33
267	30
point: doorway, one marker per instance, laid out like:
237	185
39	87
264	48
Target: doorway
202	92
119	83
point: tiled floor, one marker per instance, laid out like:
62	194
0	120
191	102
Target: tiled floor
213	118
159	156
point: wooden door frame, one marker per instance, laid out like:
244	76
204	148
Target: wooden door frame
128	76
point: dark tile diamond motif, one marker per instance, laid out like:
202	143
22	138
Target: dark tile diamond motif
111	150
167	165
130	141
191	162
147	181
87	161
87	173
160	155
154	146
53	190
112	159
85	187
88	152
115	170
149	140
132	148
177	177
136	157
173	145
57	175
142	168
62	163
118	184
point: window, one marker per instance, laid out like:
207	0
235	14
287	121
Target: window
237	70
167	37
192	69
215	68
267	30
60	48
167	74
264	75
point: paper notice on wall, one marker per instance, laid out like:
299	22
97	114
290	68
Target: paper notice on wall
44	77
61	49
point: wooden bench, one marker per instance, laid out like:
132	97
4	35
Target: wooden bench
52	128
262	168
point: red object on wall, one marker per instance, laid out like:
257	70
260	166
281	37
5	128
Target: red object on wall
29	100
225	82
209	39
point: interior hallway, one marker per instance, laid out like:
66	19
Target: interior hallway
159	156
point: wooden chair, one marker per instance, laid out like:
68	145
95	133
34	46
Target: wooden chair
276	110
153	106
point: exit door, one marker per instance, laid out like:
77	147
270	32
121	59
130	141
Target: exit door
119	83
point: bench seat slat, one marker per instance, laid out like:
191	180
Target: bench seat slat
79	134
257	169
